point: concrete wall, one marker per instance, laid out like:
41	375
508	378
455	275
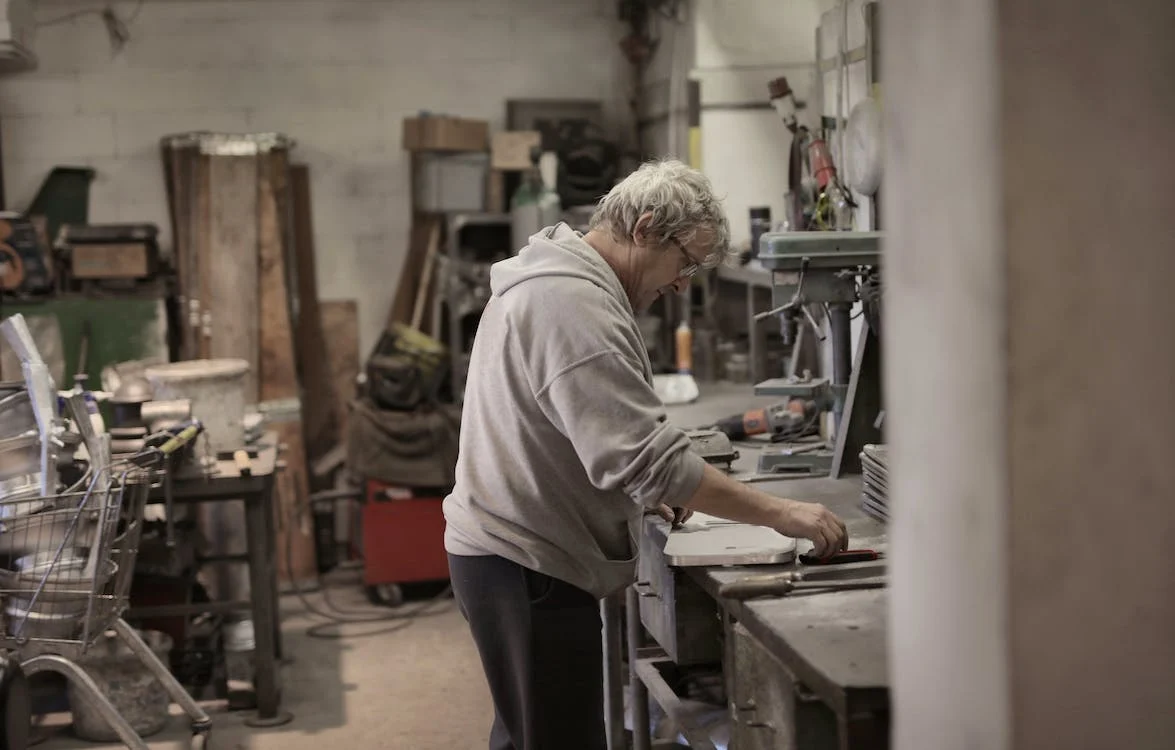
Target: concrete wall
741	45
664	85
733	48
1029	361
337	75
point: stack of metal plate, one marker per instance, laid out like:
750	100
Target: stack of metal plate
875	481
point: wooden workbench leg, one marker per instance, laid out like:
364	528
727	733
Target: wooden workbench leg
638	693
261	576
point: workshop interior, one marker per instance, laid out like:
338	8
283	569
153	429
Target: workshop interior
244	250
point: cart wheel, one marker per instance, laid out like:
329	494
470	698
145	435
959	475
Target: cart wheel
385	594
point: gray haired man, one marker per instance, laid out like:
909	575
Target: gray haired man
564	444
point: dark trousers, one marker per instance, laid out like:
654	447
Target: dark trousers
540	645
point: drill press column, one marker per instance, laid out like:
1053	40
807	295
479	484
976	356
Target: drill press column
842	355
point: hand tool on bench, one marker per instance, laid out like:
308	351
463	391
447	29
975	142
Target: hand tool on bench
842	557
783	584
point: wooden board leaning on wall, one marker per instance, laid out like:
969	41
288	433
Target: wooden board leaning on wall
278	372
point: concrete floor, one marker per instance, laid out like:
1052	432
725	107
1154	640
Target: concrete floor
419	687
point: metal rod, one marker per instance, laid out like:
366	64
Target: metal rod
797	345
842	356
260	583
179	695
93	694
842	342
697	737
638	693
613	670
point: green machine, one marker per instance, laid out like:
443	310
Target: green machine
85	334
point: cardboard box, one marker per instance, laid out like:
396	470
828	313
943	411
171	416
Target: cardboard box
445	134
511	149
451	182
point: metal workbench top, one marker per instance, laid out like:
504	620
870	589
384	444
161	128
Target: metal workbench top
835	642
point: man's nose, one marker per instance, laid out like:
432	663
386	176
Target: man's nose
680	284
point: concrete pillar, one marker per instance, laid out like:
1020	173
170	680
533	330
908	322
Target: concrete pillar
1030	359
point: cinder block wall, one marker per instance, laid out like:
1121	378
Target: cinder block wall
336	75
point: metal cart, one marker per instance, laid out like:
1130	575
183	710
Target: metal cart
70	561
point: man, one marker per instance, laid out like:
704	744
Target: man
564	444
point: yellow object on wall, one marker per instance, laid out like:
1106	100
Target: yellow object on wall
695	147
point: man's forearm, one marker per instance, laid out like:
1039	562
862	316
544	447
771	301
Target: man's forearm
719	495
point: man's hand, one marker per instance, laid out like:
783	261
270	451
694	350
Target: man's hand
814	522
674	516
719	495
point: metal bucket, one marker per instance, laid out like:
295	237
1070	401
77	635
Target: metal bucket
216	388
16	413
127	682
35	532
20	455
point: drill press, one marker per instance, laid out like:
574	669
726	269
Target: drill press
826	270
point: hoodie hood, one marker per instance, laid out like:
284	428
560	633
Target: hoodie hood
557	251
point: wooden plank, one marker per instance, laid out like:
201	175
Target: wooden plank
197	214
412	269
177	171
229	268
278	376
340	328
320	417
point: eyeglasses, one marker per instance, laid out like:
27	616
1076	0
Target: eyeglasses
691	265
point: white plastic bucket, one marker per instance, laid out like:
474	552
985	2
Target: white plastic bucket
216	388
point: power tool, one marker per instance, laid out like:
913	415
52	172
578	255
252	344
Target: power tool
794	418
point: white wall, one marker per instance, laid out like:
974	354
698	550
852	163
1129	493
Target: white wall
665	81
336	75
741	45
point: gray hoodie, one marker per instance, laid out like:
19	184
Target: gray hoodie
563	441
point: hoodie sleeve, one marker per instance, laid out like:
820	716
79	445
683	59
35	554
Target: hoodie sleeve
617	425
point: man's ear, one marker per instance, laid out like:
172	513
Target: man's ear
640	232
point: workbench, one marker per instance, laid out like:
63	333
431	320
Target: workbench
804	671
255	490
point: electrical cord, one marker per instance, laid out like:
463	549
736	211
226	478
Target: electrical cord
100	12
337	617
118	29
340	618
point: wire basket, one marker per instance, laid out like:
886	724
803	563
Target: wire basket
67	560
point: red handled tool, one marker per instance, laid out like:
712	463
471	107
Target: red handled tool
839	558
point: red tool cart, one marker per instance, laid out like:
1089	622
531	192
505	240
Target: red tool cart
403	539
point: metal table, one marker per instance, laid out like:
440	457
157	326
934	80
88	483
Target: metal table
256	491
758	285
831	646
